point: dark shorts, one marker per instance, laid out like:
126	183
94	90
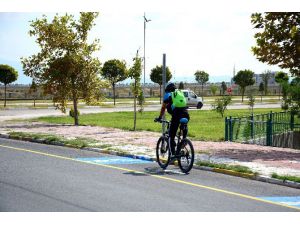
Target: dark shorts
178	113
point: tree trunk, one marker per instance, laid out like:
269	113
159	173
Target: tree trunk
134	105
279	91
114	92
34	101
159	94
4	95
266	88
75	102
243	92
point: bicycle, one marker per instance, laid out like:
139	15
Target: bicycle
184	152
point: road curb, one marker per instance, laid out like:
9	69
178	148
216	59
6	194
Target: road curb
261	178
228	172
148	158
234	173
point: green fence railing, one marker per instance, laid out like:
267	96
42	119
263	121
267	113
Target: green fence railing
265	129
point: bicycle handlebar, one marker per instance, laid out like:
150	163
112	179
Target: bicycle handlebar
161	121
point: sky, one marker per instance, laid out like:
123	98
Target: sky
214	36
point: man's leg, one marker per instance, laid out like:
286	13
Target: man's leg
185	114
172	133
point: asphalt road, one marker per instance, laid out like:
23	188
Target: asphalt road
26	113
37	177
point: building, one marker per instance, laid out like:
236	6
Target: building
16	92
258	79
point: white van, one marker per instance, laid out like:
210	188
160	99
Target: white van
192	99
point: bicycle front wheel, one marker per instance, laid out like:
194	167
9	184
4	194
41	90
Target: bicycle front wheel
186	155
163	154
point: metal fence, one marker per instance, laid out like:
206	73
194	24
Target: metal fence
280	129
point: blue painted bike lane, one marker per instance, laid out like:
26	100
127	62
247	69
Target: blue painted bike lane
114	160
286	200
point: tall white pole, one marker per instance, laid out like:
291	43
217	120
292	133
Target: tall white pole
164	74
145	21
164	85
144	49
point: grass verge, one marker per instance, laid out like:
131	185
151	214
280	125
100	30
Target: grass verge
286	177
47	138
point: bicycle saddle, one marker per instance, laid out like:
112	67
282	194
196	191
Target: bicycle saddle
184	120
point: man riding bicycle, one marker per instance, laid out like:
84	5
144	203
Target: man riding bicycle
175	103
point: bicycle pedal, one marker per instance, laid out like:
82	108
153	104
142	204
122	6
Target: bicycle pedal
173	161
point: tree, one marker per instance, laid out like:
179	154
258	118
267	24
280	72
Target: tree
202	78
7	76
291	96
261	89
33	90
213	89
135	73
156	77
265	76
114	71
251	99
281	78
65	66
278	39
223	87
181	86
244	78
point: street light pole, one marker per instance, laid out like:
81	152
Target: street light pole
145	21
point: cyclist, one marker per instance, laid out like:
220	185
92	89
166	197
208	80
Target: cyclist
175	103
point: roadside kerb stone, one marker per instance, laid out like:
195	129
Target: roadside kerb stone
228	172
41	141
57	143
4	136
234	173
112	152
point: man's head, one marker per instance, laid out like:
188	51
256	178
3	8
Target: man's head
170	87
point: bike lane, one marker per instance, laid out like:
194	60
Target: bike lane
194	190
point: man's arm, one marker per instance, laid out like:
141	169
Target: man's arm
164	105
162	110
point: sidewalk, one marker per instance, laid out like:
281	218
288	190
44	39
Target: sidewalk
262	159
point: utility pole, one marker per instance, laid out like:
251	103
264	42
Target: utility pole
164	73
164	85
145	21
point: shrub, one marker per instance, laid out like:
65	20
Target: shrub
71	112
220	104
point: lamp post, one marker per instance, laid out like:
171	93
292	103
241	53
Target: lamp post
145	21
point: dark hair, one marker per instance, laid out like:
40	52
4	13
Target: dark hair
170	87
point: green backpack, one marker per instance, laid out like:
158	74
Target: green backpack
178	99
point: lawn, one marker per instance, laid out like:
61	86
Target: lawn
204	124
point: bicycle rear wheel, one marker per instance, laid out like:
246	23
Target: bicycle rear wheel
186	155
163	154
